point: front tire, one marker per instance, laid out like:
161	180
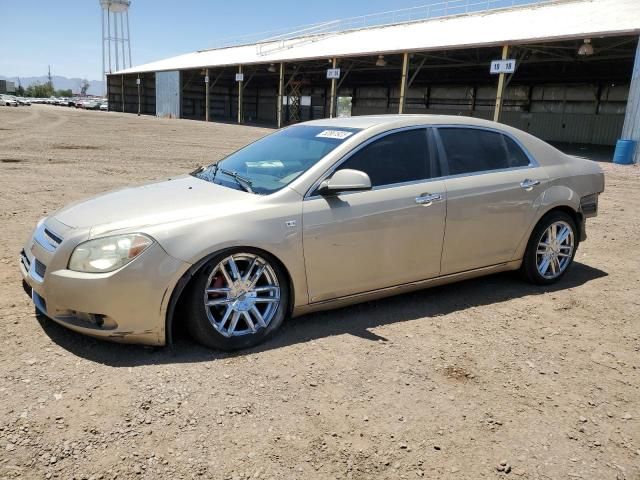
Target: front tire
551	249
237	300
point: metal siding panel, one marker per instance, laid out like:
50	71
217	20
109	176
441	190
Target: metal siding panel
168	94
519	120
607	129
577	128
547	126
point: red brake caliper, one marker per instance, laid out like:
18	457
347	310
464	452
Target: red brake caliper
218	282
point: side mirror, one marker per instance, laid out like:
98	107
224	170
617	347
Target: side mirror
346	180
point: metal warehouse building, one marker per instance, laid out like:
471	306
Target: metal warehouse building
576	76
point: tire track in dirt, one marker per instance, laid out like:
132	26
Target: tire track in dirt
35	115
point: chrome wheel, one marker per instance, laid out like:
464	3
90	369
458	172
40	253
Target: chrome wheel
242	295
555	250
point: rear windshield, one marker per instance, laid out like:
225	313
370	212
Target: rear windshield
274	161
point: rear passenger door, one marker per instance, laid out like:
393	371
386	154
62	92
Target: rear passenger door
492	186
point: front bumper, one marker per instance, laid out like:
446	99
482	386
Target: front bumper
127	305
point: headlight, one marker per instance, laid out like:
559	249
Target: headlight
108	254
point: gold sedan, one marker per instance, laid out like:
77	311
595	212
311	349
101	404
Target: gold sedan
314	216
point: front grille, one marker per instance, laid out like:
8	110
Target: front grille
40	268
52	236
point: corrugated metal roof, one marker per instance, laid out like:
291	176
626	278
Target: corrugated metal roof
557	21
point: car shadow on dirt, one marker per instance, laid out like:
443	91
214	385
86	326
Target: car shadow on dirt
355	320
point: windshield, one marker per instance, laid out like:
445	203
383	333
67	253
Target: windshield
276	160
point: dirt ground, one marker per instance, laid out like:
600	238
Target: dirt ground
443	383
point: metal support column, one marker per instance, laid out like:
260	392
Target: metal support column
206	94
108	37
240	92
115	30
403	82
631	128
138	85
128	37
104	67
280	95
124	58
332	105
500	93
122	91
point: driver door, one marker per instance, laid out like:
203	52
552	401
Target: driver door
390	235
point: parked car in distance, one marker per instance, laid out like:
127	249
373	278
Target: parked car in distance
314	216
92	105
104	106
8	101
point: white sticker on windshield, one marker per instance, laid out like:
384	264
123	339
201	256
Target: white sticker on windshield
337	134
265	164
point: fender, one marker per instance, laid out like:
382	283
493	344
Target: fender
184	280
555	196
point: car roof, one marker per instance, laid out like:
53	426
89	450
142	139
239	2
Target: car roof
392	121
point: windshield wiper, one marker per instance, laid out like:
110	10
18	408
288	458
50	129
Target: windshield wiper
245	183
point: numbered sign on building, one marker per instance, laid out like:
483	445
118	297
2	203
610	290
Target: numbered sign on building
239	77
503	66
333	73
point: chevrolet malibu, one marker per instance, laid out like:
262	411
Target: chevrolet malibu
318	215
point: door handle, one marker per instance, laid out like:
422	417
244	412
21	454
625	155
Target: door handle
528	184
428	198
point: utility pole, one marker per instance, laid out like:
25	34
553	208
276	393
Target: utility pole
49	78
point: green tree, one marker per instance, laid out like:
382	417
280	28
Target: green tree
64	93
39	90
20	91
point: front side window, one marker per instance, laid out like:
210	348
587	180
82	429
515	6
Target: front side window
471	150
274	161
395	158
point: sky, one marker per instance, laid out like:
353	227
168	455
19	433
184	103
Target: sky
67	34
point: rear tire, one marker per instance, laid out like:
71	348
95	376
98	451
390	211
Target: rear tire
551	249
237	300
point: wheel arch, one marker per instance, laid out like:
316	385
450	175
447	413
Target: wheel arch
566	206
182	285
576	215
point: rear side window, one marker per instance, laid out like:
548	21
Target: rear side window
396	158
471	150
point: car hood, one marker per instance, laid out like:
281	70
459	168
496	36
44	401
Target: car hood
162	202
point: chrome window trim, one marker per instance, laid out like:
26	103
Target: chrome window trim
444	166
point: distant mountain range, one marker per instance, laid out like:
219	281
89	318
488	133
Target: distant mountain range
96	87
